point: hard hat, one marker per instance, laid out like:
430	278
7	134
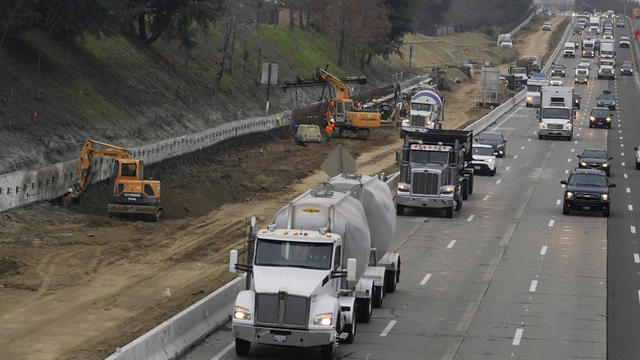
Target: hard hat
332	120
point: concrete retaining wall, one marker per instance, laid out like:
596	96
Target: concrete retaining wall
171	338
27	186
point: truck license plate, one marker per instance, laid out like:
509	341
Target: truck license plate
279	338
586	208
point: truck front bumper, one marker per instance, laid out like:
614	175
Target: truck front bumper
434	201
554	132
283	337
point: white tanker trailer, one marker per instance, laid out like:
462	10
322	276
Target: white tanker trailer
322	264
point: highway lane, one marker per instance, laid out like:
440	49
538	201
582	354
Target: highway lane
623	265
509	277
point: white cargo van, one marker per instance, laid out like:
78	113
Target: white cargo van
607	50
569	49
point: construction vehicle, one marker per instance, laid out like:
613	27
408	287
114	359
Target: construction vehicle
434	170
321	266
341	107
426	110
131	193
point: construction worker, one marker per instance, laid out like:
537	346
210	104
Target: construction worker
329	129
278	120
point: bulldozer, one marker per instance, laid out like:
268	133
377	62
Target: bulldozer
132	195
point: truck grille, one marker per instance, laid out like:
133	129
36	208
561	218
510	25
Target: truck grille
417	121
555	126
294	309
425	183
589	198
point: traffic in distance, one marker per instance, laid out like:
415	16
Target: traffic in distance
338	241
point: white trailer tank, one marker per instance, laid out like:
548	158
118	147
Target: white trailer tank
377	201
338	213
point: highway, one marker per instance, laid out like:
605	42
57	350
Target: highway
623	289
511	277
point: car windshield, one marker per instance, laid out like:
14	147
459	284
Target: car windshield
594	154
556	78
429	157
421	107
605	97
485	151
582	72
624	39
558	67
294	254
556	113
587	180
600	112
490	137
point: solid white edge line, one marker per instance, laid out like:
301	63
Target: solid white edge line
636	258
543	250
518	335
223	352
388	328
533	286
451	243
425	279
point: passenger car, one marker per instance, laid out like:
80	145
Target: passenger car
624	42
582	77
600	116
546	26
637	153
606	99
496	140
626	68
558	70
594	158
577	100
587	189
555	81
483	159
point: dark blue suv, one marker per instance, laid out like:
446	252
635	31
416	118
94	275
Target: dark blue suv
587	190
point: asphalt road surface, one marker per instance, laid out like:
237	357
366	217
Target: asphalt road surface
511	277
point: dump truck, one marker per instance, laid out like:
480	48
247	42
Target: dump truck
425	111
505	40
320	267
131	195
434	170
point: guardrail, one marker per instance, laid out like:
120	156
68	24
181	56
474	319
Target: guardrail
489	119
171	338
523	23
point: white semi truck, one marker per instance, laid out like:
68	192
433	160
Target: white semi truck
320	267
555	117
425	111
533	89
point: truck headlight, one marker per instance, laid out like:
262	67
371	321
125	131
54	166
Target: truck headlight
529	97
403	187
405	121
568	195
605	165
608	119
323	319
541	126
582	163
592	118
447	189
488	160
429	122
569	127
604	197
241	313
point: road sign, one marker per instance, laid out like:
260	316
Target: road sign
269	74
636	13
636	33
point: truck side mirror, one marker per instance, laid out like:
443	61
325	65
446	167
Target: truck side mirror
398	155
352	265
233	261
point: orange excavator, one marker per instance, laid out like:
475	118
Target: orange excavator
131	193
342	108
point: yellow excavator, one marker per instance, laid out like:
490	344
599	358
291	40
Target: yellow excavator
131	193
341	107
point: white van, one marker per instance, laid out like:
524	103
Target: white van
607	50
569	49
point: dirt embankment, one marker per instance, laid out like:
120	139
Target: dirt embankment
76	285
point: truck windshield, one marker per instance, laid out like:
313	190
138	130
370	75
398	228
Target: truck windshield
430	157
555	113
294	254
420	107
533	88
606	53
518	71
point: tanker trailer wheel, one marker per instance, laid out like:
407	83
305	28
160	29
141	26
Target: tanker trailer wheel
465	189
378	296
328	351
390	277
242	347
364	309
450	211
399	209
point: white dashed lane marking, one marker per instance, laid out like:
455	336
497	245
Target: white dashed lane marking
425	279
451	243
533	286
518	335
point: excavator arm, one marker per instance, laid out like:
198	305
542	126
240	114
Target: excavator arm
89	151
342	90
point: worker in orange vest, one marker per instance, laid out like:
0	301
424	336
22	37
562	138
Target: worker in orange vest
329	129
